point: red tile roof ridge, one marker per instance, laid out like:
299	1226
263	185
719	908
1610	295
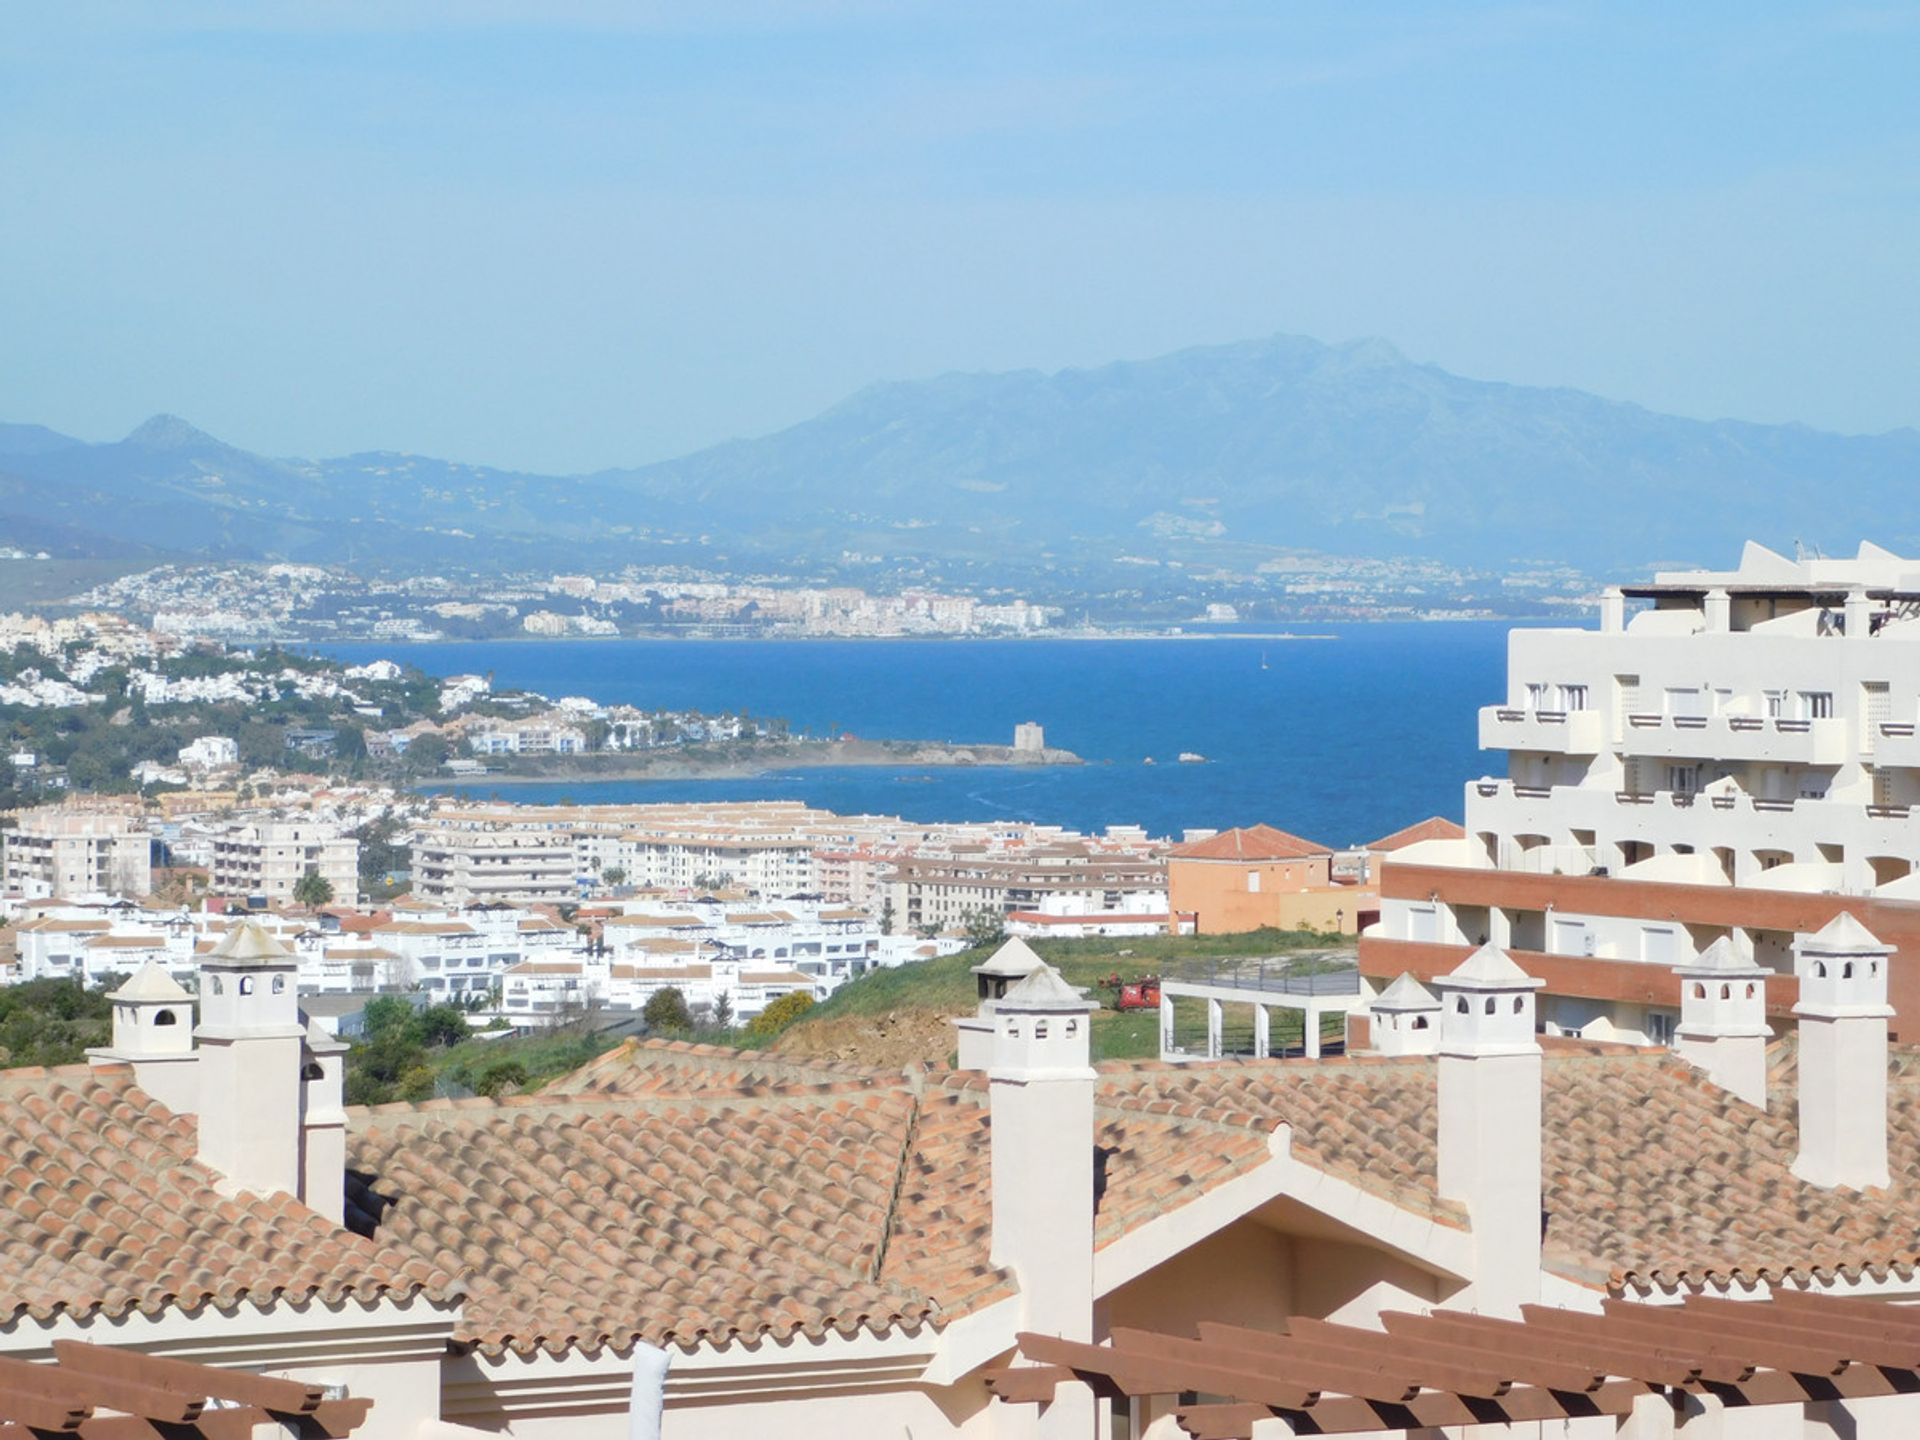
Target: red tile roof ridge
1434	827
1251	842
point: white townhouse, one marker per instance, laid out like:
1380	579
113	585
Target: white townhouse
1736	760
454	952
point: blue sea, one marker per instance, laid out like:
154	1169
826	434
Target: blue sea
1342	739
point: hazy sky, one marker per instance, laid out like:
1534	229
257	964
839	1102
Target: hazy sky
564	235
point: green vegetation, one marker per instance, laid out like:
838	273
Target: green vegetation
52	1022
313	890
666	1012
778	1015
946	985
416	1055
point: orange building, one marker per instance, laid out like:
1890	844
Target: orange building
1261	876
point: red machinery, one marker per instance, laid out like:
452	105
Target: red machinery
1141	994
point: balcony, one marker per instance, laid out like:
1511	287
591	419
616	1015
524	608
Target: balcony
1560	732
1897	744
1737	737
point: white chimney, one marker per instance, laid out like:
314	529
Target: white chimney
153	1032
1613	610
1723	1021
1040	1109
1843	1014
1489	1124
323	1124
251	1039
1007	967
1404	1019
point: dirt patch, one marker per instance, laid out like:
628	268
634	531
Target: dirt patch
896	1037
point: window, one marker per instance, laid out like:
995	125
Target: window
1253	882
1686	702
1573	697
1537	696
1683	779
246	985
1816	704
1776	704
165	1017
1658	946
279	984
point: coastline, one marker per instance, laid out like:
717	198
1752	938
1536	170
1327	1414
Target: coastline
1264	637
739	762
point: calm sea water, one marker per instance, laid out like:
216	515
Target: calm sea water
1342	739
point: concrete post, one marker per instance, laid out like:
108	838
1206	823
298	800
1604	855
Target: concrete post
1613	610
1499	928
1213	1029
1262	1025
1166	1025
1310	1029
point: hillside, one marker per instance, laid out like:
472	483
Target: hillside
1226	455
893	1017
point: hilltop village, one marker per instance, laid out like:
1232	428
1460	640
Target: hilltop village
1589	1116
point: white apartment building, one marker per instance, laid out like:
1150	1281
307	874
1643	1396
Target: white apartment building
104	944
210	752
60	854
553	734
935	891
828	945
764	864
271	857
1737	760
454	953
509	866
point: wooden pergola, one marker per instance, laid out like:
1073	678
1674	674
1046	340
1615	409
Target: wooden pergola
98	1392
1453	1368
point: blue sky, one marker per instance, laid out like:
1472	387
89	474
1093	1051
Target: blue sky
568	235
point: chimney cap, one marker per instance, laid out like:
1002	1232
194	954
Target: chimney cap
1045	990
1488	968
1405	993
152	983
1842	935
249	943
1719	962
1014	960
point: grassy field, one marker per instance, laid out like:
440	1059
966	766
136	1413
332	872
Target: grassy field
946	986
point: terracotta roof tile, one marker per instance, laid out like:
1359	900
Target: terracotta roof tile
1257	842
1435	827
104	1210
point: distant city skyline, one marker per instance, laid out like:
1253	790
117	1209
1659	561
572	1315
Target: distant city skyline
581	235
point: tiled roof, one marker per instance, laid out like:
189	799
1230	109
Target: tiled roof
104	1210
1257	842
1433	828
681	1192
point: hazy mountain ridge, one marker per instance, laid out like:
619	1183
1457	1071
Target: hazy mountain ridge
1215	452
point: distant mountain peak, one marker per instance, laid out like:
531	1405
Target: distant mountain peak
169	432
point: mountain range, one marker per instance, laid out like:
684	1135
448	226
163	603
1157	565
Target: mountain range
1224	455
